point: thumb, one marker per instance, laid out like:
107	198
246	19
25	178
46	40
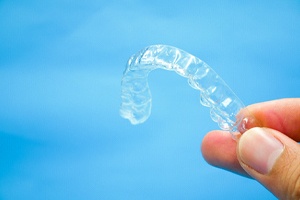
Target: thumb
273	159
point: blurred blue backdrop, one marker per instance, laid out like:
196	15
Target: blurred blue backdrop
61	63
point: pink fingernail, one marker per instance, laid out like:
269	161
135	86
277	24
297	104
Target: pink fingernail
259	149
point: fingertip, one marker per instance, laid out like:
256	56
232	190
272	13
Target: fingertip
217	145
209	142
271	158
282	115
219	149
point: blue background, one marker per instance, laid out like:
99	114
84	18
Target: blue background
61	63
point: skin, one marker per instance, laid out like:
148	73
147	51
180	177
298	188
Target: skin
282	118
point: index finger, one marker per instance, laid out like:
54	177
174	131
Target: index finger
282	115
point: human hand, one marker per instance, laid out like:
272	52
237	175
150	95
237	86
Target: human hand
271	155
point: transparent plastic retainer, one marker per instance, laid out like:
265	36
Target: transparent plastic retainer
136	104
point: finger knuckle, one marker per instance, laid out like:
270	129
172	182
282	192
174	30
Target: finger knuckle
294	188
293	180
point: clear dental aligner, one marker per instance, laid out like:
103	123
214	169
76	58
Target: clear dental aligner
214	92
